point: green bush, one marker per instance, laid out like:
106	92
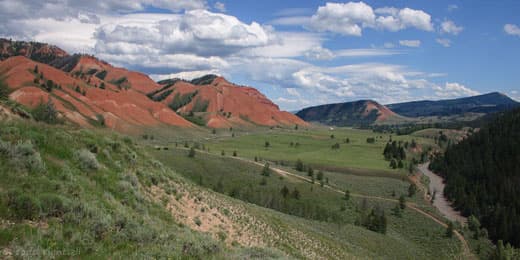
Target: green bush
180	101
4	90
53	205
86	160
22	156
46	113
23	206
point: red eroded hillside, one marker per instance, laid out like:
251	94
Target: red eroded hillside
88	91
87	66
84	100
222	104
383	112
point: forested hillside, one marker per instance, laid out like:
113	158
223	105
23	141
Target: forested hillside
482	176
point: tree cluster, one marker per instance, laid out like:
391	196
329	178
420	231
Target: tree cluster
482	174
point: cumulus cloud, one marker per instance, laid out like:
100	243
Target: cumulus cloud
350	18
393	19
199	31
346	19
444	42
410	43
453	89
512	29
187	75
450	27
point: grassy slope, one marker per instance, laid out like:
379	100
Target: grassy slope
119	211
55	207
412	236
315	147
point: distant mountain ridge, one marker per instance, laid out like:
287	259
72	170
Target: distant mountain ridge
486	103
357	113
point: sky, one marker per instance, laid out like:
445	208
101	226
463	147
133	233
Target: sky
298	53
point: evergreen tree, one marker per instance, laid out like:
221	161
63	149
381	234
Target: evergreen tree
347	195
4	90
191	153
449	229
296	194
319	176
412	189
299	165
46	113
310	171
284	191
402	202
266	171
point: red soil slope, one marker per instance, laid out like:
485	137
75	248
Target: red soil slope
130	79
383	111
122	109
87	88
33	50
231	105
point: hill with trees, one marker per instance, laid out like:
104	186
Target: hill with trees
487	103
482	174
357	113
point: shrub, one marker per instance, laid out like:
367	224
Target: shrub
46	113
197	221
191	153
86	160
22	156
266	171
4	90
101	75
53	205
23	206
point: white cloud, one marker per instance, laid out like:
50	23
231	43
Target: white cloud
452	7
405	18
350	18
389	45
346	19
293	92
410	43
450	27
187	75
291	20
319	53
444	42
220	6
512	29
515	95
450	90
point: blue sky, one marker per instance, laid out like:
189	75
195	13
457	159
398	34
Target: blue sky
298	53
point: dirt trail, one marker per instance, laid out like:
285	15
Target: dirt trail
466	252
440	201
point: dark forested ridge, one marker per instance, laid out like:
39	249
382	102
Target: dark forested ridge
487	103
482	176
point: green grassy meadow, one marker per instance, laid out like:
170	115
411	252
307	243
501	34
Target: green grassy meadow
315	147
421	237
